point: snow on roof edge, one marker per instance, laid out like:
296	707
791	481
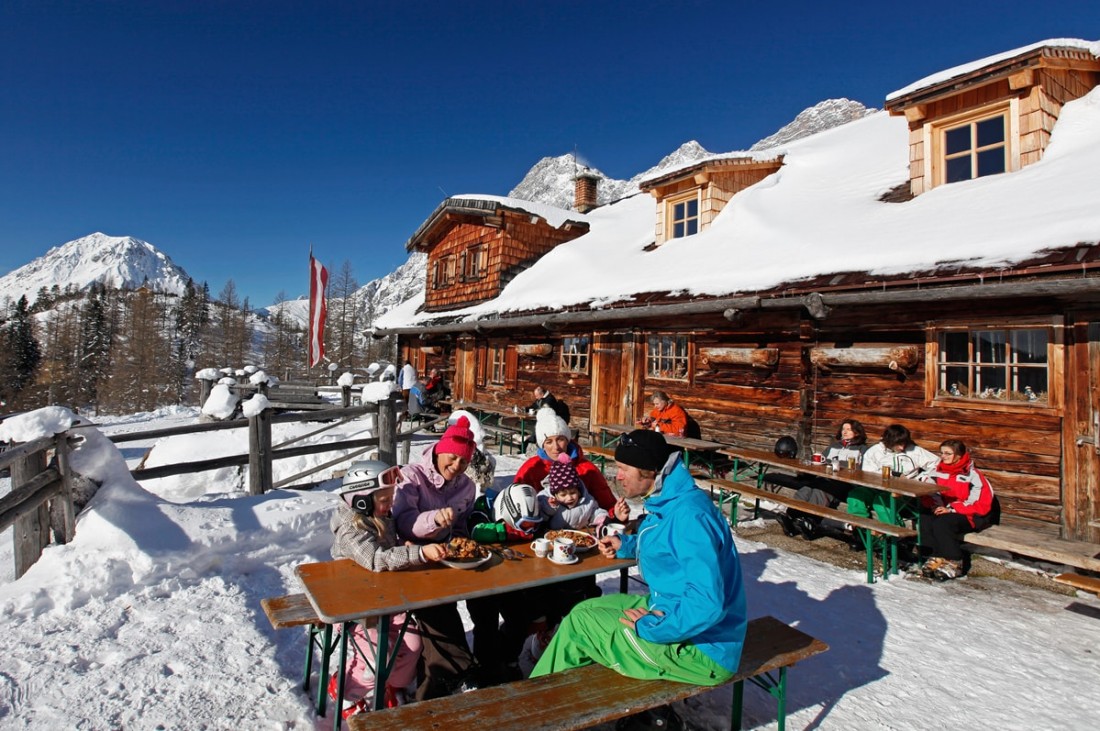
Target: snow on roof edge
1092	47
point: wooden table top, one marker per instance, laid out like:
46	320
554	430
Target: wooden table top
896	485
492	409
701	445
343	591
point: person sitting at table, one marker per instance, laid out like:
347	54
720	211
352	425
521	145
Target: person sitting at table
435	388
566	504
431	505
965	505
667	417
510	515
691	627
850	442
364	532
543	397
904	457
419	403
554	437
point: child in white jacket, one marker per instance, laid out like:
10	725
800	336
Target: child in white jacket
565	502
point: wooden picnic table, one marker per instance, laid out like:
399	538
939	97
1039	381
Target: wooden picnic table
893	486
760	460
524	422
342	593
688	444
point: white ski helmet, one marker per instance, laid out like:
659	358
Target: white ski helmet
363	479
517	506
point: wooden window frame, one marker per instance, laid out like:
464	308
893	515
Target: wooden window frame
936	131
575	362
475	262
936	388
498	364
687	359
670	213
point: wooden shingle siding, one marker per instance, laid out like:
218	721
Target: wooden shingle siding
512	244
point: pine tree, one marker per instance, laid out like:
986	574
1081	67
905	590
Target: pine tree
22	354
94	354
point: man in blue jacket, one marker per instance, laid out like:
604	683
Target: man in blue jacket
691	626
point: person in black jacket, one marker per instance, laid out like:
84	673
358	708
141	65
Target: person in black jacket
543	397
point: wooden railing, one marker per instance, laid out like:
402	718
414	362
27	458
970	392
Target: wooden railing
27	508
36	485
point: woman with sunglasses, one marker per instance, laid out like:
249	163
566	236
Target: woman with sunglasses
965	505
364	532
431	504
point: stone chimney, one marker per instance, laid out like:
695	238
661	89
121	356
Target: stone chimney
584	190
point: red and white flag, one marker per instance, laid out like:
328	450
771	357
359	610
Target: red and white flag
318	280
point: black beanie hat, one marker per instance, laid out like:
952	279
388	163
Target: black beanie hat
644	449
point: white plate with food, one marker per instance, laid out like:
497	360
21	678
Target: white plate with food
464	553
583	541
469	563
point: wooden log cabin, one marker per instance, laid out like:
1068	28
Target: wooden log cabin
928	265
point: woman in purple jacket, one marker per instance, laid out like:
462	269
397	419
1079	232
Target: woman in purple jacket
431	505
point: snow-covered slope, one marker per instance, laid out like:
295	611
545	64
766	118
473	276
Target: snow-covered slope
117	261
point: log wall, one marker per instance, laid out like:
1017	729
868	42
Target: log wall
1019	447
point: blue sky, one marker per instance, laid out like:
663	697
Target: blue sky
233	134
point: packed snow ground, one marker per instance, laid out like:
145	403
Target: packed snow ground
151	619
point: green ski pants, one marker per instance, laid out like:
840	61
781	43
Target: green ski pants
862	499
592	633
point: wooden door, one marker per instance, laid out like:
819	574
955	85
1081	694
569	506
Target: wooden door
465	370
616	379
1081	433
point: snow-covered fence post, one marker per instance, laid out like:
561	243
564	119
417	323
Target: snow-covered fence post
63	514
260	473
345	382
31	531
387	429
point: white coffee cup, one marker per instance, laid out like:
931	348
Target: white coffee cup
611	529
564	549
541	547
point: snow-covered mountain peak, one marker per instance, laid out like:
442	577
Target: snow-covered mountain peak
118	261
818	118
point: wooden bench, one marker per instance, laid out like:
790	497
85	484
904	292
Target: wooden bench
870	527
504	435
294	610
1090	584
603	455
1038	546
583	697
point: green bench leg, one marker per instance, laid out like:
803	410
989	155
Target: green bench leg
326	654
775	688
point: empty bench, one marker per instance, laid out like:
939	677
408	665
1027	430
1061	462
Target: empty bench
294	610
890	534
583	697
1090	584
1037	545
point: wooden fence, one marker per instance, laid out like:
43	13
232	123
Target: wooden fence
35	484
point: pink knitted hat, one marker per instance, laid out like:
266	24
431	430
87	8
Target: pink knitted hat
457	440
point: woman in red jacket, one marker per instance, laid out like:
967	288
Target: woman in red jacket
964	505
553	436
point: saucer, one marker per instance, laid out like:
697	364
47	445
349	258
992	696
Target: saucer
562	563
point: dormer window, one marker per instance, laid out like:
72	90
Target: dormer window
683	216
688	199
975	148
